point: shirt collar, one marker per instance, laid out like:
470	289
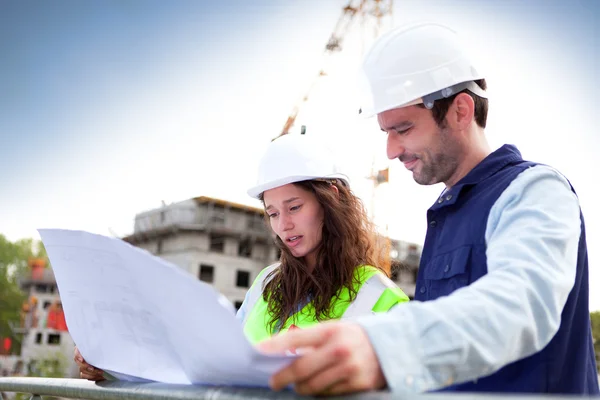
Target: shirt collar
493	163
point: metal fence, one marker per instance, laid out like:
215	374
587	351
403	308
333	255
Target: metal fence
105	390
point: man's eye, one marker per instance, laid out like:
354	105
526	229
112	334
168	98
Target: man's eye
272	215
402	131
294	208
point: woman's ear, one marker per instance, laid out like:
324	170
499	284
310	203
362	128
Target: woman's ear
336	190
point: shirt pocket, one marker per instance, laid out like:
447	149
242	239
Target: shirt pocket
448	272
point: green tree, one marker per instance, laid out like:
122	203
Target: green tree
52	365
14	257
595	318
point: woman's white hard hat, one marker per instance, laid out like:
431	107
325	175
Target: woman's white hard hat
293	158
416	64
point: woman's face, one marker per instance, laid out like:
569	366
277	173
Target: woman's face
297	218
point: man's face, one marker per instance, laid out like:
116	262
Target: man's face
430	152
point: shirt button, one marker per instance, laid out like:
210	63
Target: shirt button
422	290
440	200
447	268
432	224
449	197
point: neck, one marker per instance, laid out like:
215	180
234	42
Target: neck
311	261
475	150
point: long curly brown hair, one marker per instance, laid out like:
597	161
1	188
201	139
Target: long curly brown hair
348	241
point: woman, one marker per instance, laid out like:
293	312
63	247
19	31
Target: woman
329	265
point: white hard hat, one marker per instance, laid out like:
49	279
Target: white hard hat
294	158
416	64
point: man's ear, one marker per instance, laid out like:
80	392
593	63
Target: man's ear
462	112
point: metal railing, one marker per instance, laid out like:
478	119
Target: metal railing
106	390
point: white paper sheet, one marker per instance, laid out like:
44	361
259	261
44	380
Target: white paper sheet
139	316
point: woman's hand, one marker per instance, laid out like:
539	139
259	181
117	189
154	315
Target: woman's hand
87	371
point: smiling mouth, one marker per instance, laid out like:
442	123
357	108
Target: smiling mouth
409	164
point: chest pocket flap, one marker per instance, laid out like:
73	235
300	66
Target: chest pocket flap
448	272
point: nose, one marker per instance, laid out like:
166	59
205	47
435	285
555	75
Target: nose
285	222
394	148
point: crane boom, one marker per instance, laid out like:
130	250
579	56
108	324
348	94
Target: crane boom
333	45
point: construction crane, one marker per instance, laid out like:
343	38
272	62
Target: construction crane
368	10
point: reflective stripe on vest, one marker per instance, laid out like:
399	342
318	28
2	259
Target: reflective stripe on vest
255	291
376	293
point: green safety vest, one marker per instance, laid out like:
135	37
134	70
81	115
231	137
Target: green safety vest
375	293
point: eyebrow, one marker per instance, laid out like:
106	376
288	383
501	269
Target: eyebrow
398	127
285	201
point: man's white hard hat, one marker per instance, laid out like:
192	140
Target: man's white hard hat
293	158
415	64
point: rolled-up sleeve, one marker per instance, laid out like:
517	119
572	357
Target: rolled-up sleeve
532	237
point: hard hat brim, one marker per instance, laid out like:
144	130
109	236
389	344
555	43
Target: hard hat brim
256	191
429	99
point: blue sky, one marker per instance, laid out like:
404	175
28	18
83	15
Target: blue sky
110	107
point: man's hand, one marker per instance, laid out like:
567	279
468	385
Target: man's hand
337	358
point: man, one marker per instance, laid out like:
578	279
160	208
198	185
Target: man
502	289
